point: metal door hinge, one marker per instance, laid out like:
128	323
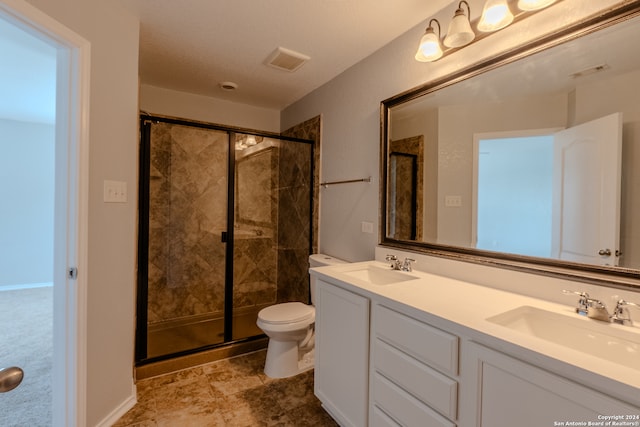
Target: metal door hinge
72	273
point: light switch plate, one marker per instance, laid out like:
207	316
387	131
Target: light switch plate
367	227
115	191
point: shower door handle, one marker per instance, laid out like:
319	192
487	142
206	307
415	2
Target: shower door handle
224	237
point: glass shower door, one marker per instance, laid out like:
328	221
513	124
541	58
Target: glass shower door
188	185
272	223
224	232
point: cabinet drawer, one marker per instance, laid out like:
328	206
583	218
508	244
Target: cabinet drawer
404	408
433	388
434	347
380	419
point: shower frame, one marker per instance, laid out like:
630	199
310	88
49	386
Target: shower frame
141	335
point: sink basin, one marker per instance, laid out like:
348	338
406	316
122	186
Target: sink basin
380	276
589	336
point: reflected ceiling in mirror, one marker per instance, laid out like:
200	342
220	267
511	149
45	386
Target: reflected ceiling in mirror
531	158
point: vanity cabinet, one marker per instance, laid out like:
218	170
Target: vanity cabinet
414	369
381	361
342	354
511	392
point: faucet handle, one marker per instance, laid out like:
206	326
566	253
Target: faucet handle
395	263
406	265
624	302
583	302
579	293
618	313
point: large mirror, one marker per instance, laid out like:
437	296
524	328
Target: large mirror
529	160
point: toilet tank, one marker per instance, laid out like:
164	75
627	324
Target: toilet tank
320	260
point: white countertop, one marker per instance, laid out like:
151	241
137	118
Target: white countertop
464	307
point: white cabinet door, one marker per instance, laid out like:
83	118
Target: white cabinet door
514	393
342	354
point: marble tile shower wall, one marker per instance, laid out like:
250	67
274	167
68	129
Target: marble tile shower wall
294	221
188	204
187	213
311	130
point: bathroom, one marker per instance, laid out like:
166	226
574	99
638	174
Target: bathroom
342	242
349	107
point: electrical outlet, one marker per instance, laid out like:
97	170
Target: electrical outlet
453	201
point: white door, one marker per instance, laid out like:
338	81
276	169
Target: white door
586	199
70	209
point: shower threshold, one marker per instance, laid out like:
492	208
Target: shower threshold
192	332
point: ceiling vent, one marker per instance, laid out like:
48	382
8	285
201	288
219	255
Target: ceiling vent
286	60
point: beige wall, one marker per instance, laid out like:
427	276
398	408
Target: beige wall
166	102
113	153
350	106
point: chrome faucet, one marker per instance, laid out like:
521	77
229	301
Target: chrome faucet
396	264
621	314
597	310
590	307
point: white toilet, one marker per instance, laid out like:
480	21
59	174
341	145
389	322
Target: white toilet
290	328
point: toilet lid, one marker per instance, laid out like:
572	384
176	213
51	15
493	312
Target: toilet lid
287	312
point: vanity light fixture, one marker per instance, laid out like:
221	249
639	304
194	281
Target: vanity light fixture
496	15
460	32
429	48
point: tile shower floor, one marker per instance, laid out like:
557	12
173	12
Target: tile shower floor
229	392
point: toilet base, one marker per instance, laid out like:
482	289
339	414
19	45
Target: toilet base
283	359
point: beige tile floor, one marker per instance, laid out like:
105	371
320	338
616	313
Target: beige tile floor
229	392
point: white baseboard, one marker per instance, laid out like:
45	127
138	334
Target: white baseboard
120	410
25	286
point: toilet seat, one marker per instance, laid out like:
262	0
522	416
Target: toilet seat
288	312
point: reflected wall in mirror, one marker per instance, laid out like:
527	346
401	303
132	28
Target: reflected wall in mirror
535	160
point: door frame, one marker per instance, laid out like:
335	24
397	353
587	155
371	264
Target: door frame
71	207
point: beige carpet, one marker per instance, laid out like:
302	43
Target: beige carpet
26	324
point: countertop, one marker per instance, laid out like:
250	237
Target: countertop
464	308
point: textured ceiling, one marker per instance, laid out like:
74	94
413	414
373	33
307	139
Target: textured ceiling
193	45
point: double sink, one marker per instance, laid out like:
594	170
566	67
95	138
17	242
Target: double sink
618	344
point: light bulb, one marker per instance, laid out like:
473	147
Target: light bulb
429	48
495	16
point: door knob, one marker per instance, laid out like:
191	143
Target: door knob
10	378
604	252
